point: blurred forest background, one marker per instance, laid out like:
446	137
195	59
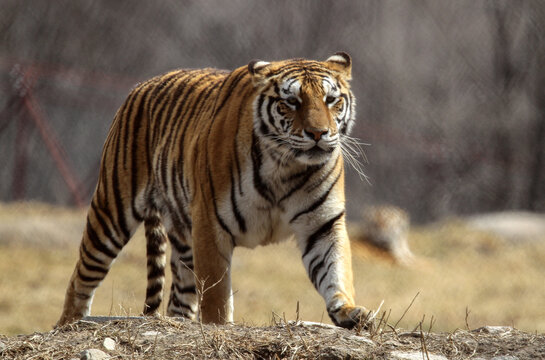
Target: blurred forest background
451	94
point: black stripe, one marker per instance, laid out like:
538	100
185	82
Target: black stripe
97	244
237	165
123	121
89	279
177	244
162	90
153	247
171	101
229	91
186	259
104	226
326	255
93	268
263	125
128	118
186	289
155	270
120	224
89	254
153	290
321	179
270	115
82	296
318	202
325	274
187	264
179	304
311	170
117	191
151	307
156	110
324	230
181	101
259	185
297	70
137	121
241	108
311	263
214	202
315	271
238	216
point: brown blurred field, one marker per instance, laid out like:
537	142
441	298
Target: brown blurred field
462	277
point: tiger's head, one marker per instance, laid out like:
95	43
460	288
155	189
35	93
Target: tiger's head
303	108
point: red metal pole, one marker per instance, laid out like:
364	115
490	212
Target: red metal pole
54	148
21	157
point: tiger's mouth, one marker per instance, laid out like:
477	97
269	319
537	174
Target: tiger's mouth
315	153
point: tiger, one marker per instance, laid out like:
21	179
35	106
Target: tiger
385	228
211	159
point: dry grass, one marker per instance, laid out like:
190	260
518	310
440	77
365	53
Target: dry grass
458	271
165	338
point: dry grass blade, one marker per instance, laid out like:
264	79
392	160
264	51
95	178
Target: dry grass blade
406	310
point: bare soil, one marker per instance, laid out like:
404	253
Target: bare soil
166	338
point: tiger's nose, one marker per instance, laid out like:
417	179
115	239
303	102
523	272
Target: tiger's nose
316	133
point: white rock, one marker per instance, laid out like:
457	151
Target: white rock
494	329
151	333
109	344
93	354
414	355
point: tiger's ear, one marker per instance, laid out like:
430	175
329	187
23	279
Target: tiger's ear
342	63
259	70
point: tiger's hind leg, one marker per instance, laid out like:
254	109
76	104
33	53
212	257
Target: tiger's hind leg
156	245
183	292
105	234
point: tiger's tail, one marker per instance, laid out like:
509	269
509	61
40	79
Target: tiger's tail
156	245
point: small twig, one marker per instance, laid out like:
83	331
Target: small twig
287	326
419	324
467	316
304	343
387	319
376	330
423	343
111	301
432	322
407	309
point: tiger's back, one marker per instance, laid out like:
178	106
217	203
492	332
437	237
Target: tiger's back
211	160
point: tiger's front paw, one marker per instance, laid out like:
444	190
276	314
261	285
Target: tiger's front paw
349	316
68	318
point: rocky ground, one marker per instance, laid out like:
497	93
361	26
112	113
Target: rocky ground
164	338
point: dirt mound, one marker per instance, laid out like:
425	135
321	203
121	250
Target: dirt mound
145	338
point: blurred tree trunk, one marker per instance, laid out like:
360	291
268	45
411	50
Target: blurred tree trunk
536	51
536	189
504	75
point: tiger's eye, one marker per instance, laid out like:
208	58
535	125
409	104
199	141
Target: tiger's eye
292	100
330	100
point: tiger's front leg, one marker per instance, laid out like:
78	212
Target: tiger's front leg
212	252
327	259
